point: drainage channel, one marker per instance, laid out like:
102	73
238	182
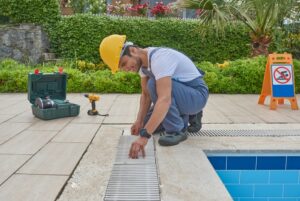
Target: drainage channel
133	179
247	133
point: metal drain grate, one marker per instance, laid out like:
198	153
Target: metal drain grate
133	179
247	133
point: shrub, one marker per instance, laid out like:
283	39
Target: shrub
79	36
84	66
240	76
31	11
246	76
13	78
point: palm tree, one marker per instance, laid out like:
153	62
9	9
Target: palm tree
260	16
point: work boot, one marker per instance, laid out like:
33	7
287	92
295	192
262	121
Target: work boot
170	139
195	122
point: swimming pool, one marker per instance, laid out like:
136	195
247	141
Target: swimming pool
259	176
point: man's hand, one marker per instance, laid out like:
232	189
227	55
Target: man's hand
136	127
137	146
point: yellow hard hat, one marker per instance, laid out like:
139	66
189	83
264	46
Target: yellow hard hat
110	50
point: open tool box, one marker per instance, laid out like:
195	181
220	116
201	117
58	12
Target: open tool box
47	94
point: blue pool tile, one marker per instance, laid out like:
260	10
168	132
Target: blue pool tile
253	199
271	162
240	190
291	190
268	190
241	162
283	199
236	199
254	177
218	162
293	163
229	176
284	176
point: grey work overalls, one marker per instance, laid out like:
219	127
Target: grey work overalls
188	98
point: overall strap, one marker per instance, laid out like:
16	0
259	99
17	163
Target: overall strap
149	72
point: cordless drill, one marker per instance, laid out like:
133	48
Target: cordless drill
93	98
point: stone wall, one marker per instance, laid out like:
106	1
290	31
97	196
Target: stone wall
25	43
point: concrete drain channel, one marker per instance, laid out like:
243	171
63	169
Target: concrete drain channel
247	133
133	179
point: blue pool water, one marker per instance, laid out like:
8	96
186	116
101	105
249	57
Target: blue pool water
259	177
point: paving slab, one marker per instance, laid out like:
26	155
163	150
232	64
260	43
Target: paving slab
13	96
27	142
91	176
55	159
286	126
284	143
124	110
5	117
211	115
7	99
83	118
124	104
32	187
51	125
186	174
123	119
249	103
106	102
16	108
77	133
26	117
9	130
9	164
235	114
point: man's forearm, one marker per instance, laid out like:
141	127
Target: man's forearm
145	103
160	111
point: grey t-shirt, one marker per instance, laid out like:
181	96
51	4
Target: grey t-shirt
166	62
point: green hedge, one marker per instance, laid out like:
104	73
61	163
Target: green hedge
44	12
79	36
241	77
13	78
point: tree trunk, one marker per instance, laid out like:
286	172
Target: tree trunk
260	45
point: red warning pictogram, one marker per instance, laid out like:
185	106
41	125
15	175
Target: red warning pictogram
282	75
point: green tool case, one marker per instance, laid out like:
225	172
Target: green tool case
50	86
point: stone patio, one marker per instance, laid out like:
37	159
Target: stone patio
71	158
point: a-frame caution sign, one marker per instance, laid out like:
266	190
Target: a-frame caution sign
279	81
